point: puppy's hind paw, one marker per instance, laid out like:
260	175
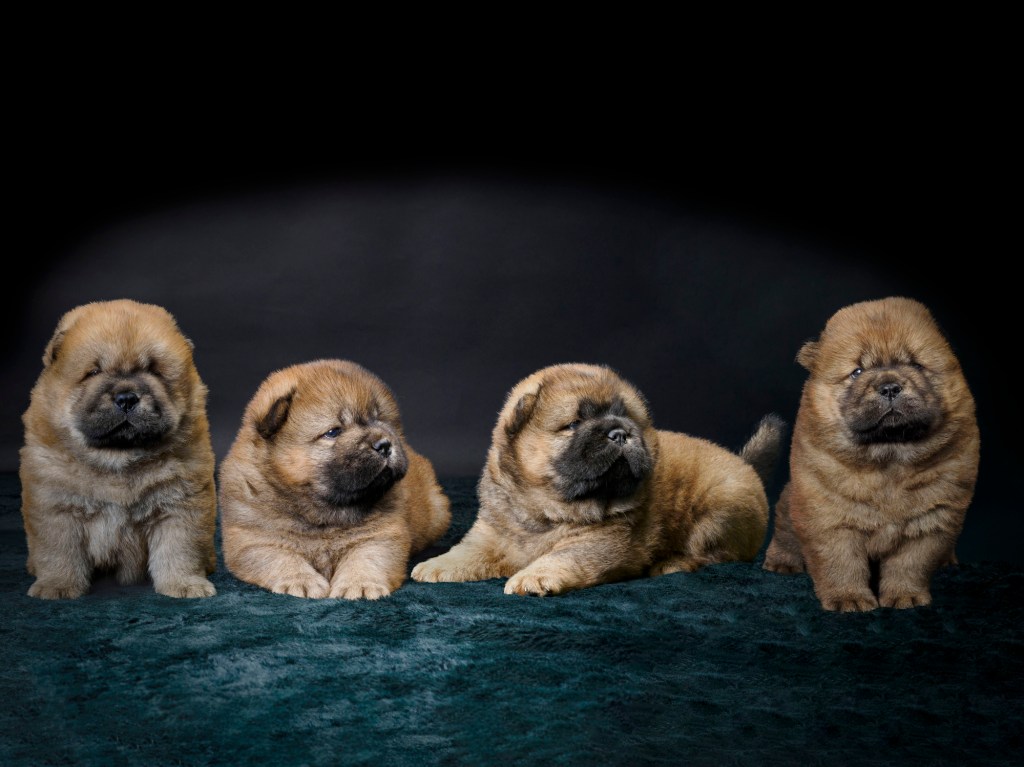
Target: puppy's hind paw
783	567
680	564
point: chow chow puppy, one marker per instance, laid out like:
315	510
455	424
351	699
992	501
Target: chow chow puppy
883	461
117	470
320	494
579	489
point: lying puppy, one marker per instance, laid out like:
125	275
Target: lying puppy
320	495
117	471
883	462
580	489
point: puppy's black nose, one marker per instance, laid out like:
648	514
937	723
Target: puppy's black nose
383	446
890	390
126	400
618	435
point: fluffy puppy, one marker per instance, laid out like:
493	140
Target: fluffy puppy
320	494
117	471
580	489
883	462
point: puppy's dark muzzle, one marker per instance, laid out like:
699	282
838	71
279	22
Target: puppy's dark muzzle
366	471
606	458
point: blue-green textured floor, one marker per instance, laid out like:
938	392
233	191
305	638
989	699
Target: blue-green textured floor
728	666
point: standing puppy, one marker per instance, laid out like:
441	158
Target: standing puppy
580	489
883	462
320	495
117	471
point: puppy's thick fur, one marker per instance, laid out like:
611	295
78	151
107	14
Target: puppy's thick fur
320	494
883	462
581	489
117	470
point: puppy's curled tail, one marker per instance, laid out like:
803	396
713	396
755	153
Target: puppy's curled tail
764	447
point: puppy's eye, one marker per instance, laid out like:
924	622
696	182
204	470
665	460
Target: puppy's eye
94	371
917	365
331	433
856	372
572	425
153	368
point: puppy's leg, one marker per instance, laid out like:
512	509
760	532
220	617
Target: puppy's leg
783	554
370	570
177	557
719	535
477	557
904	577
277	570
440	518
578	562
685	563
840	570
59	559
429	527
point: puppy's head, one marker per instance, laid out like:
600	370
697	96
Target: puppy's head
119	375
882	375
330	430
580	431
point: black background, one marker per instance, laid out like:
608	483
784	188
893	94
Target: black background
689	219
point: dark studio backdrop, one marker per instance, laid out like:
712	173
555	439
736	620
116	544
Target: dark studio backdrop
692	251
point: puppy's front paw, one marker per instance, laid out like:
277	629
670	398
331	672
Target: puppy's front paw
359	590
904	599
186	588
849	603
537	583
309	586
451	568
54	589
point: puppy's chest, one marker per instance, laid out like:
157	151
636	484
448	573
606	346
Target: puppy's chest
132	495
893	503
325	553
95	512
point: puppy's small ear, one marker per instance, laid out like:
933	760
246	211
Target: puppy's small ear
808	354
53	348
521	413
270	423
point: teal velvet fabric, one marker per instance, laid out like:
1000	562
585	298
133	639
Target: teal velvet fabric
728	666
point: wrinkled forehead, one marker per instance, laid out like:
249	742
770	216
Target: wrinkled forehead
594	398
884	338
124	341
347	398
